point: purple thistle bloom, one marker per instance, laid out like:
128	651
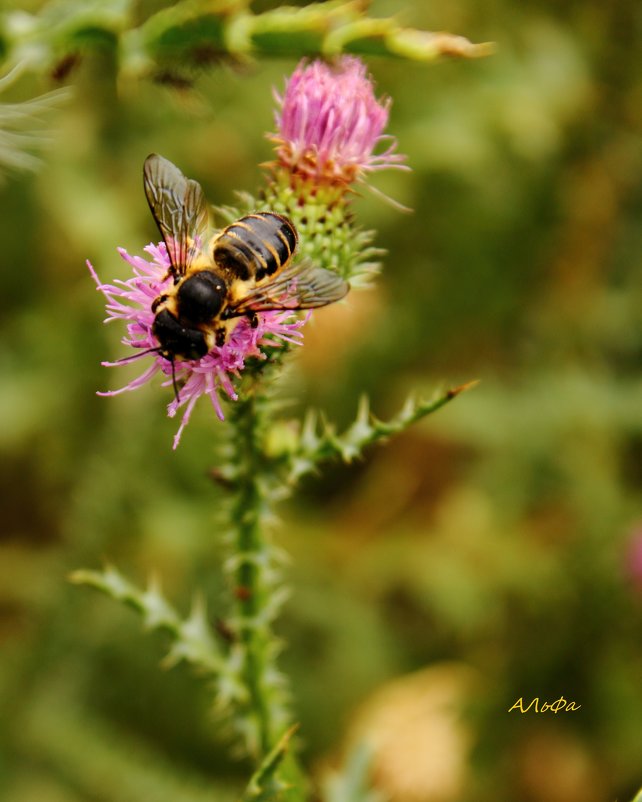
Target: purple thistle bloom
331	122
131	301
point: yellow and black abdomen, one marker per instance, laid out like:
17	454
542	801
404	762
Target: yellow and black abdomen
256	246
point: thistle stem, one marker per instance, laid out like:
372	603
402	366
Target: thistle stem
266	719
256	590
250	590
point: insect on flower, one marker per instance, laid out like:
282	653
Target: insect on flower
218	277
209	300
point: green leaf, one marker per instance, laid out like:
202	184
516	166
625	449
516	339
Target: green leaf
318	441
191	638
266	785
352	784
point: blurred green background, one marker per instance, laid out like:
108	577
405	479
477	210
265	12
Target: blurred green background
493	542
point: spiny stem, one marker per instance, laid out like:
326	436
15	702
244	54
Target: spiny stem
315	447
249	594
175	43
256	595
191	638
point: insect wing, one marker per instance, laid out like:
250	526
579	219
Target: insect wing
180	210
298	286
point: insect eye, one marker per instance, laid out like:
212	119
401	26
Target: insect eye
201	297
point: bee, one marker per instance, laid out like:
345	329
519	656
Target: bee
220	276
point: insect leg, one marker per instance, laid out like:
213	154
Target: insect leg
220	336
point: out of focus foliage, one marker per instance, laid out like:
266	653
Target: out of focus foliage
488	549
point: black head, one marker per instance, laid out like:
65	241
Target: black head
200	297
177	340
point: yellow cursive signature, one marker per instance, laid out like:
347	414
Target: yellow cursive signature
559	706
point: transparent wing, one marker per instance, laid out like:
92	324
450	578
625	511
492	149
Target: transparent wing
298	286
180	211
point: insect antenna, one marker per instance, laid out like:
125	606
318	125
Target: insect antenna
157	350
127	359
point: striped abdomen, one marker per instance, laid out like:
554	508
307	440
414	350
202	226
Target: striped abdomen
256	246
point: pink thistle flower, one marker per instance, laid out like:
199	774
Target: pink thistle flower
330	123
131	301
